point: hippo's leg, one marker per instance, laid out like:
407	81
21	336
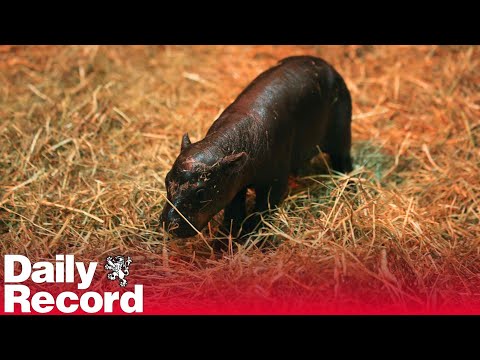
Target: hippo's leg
342	162
234	213
315	164
266	197
339	132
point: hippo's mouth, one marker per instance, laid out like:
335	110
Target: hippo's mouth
175	224
183	231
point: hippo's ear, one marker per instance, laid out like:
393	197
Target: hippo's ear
185	142
235	161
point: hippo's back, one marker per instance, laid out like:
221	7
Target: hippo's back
287	87
285	111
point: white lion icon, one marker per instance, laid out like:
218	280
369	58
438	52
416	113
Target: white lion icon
119	267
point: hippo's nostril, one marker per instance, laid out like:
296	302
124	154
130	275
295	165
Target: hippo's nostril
176	223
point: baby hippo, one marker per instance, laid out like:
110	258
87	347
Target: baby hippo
272	129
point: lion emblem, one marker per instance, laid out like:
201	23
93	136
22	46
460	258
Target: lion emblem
119	267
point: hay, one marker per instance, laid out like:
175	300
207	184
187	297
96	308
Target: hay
87	134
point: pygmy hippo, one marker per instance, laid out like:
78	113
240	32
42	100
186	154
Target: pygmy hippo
272	129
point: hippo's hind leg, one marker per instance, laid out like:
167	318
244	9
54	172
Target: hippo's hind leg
339	132
315	163
341	163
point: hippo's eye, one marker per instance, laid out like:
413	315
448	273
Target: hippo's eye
201	194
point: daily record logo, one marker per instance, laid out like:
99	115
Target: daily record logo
17	295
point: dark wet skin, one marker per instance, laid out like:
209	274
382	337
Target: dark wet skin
272	130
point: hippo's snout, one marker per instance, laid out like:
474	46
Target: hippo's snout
172	222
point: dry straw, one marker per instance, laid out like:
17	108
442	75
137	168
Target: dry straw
87	134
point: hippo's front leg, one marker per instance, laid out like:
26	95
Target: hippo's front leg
234	214
266	197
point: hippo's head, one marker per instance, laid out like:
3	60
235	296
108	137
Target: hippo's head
202	181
